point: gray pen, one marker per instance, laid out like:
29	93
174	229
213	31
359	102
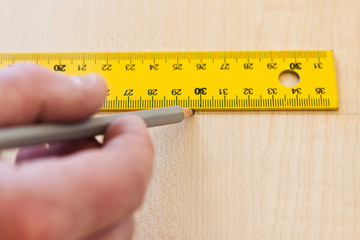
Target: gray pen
53	132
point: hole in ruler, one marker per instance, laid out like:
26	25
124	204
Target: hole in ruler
289	78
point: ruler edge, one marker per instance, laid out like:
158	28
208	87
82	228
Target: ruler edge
130	53
332	56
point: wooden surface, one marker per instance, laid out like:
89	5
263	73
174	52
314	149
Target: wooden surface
228	175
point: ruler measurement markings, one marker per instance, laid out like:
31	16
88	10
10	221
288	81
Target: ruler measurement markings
256	101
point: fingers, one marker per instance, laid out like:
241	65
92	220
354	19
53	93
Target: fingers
121	231
85	192
29	93
28	153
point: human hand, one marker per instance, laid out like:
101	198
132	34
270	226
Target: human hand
70	190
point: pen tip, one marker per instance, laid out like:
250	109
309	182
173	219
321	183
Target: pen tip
188	112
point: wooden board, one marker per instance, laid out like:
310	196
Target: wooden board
247	175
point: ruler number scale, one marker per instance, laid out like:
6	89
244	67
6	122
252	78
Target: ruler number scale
244	80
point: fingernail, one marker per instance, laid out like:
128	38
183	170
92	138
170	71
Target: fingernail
89	79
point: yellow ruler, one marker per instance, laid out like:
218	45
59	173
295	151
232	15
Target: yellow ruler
245	80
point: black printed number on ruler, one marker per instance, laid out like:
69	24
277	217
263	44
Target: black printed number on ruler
129	92
272	66
176	91
60	68
223	91
200	91
106	67
178	67
272	91
320	90
130	67
296	90
318	65
248	91
152	92
154	67
225	66
248	66
82	67
201	66
295	66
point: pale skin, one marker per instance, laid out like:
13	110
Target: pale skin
71	190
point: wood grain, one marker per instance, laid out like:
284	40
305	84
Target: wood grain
228	175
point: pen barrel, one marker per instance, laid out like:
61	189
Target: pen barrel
51	132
